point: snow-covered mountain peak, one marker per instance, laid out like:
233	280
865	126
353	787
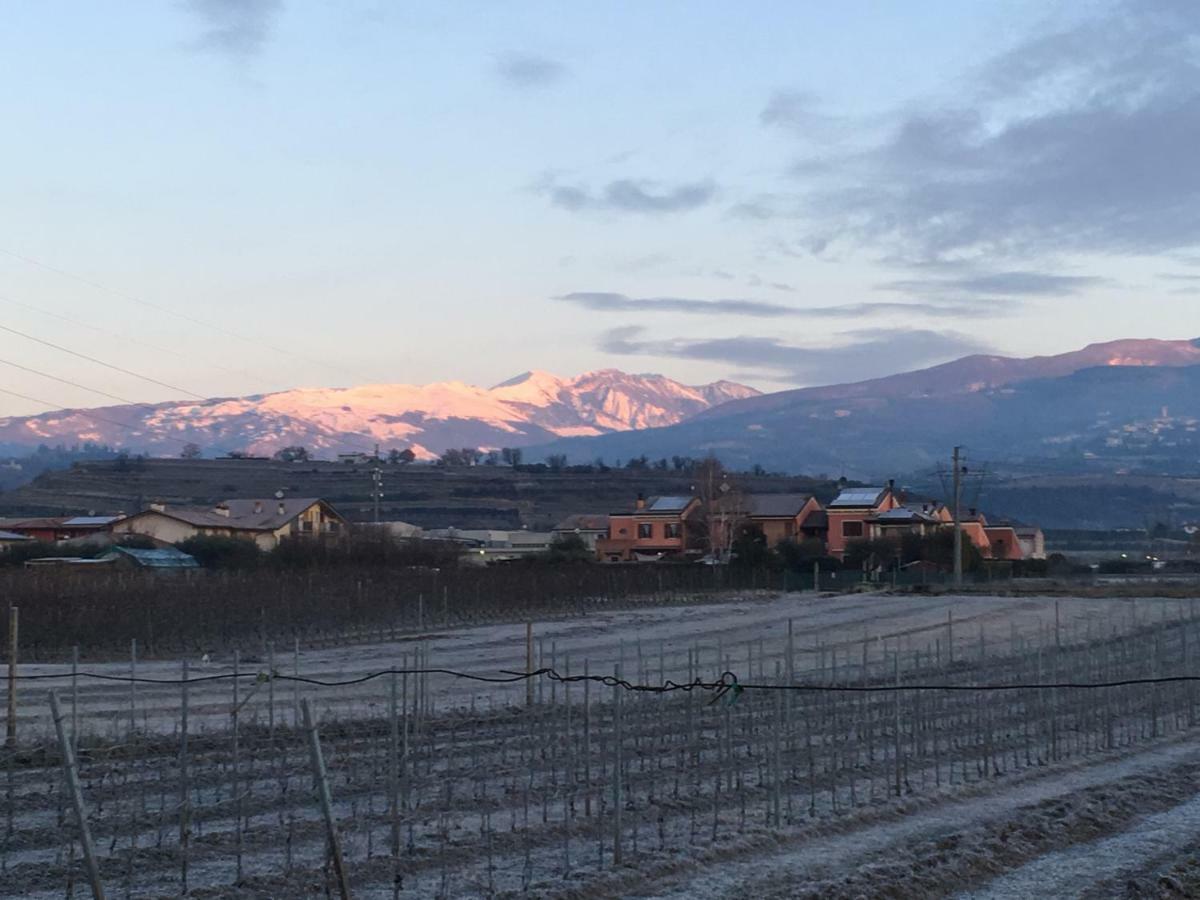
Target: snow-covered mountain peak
534	407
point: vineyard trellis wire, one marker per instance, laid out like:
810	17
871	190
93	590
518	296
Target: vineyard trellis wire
590	781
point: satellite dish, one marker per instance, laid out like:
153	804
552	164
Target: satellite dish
279	494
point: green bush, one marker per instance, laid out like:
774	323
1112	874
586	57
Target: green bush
213	552
364	546
568	548
18	554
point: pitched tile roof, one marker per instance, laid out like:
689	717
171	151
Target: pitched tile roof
584	522
776	505
246	515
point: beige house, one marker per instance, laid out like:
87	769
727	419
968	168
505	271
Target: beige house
266	522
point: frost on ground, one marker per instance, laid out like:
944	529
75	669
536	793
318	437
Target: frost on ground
449	788
748	635
942	848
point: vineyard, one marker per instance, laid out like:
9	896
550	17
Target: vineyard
199	776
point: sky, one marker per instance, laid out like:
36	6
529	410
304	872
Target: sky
229	197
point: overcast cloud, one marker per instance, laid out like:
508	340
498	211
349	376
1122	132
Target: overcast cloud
629	195
1082	140
526	70
235	28
858	354
602	301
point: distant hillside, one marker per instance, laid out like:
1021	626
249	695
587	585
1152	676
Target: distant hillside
430	496
532	408
1124	406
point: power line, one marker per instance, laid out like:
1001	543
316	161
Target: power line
72	383
178	354
91	414
59	407
101	362
184	316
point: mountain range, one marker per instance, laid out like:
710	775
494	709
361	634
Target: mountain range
1121	406
532	408
1128	406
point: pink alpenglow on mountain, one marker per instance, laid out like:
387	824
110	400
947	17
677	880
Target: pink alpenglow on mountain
532	408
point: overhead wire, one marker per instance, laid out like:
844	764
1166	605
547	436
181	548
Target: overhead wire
59	407
178	354
166	310
75	384
368	446
725	683
101	362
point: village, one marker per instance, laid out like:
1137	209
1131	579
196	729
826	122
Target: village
669	529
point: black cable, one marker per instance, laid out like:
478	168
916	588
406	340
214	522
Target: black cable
190	358
76	384
256	342
726	682
58	407
100	362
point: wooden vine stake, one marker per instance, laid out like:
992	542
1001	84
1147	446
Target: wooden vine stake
71	772
318	764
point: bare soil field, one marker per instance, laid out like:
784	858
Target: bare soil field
446	787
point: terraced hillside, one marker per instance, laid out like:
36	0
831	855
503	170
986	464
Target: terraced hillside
475	497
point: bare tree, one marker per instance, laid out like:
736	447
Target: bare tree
714	523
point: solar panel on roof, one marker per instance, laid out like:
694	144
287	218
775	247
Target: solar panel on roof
663	504
857	497
90	520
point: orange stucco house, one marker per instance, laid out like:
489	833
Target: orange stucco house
651	530
850	513
785	517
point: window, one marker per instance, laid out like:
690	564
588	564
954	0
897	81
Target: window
673	529
645	530
852	529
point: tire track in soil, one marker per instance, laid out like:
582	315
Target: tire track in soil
1101	868
804	866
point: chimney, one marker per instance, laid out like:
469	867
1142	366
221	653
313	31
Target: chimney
258	507
641	501
221	509
971	512
282	510
891	484
158	506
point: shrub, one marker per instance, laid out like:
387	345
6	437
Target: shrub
215	552
568	548
17	554
365	546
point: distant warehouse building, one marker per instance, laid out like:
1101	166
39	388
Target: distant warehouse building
164	560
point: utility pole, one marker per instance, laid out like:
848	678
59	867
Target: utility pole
958	567
377	489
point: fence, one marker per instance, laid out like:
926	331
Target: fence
209	782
